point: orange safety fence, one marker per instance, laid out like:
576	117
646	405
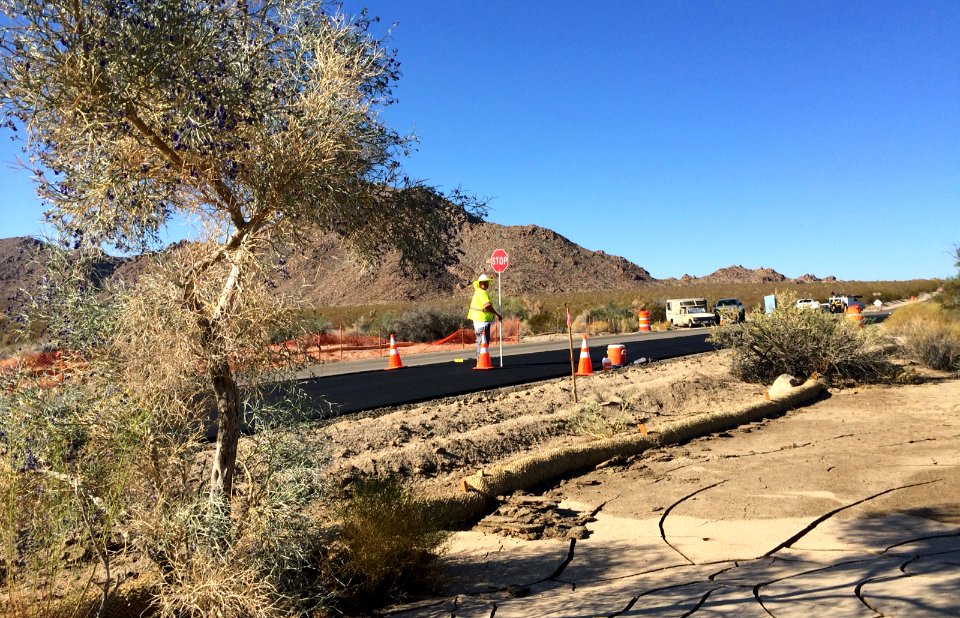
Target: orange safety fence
511	334
460	335
348	341
53	368
48	368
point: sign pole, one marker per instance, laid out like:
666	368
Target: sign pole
499	261
500	329
573	371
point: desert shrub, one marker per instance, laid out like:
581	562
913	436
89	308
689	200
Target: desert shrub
374	323
514	307
584	324
657	310
315	324
427	324
541	323
387	540
933	345
68	449
949	295
658	313
87	481
929	334
800	343
929	312
611	317
259	557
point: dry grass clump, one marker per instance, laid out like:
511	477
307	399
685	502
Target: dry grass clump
593	421
386	542
219	586
929	334
800	343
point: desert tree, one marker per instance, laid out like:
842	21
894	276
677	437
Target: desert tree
949	294
255	121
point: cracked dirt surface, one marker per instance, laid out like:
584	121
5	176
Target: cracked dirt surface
847	507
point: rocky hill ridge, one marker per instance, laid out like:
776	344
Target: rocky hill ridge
542	262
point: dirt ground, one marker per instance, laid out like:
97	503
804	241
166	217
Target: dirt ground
846	507
435	444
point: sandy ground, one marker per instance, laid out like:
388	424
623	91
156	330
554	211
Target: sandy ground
845	507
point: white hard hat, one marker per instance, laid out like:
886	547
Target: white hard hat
483	277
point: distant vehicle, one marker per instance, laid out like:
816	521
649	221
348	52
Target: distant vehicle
689	312
809	303
731	307
839	303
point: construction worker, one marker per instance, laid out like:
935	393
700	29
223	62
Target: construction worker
481	310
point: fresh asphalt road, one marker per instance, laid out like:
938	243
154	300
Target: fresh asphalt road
358	386
365	385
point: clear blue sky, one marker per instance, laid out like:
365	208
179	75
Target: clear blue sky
819	137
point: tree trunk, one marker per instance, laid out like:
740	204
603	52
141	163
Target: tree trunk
225	391
229	416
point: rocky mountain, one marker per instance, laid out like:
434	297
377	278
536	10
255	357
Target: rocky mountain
326	274
23	263
808	278
541	262
21	267
739	274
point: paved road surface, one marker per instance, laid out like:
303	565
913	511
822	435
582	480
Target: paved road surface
364	385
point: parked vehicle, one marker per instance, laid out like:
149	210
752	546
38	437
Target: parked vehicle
689	312
730	308
809	303
839	303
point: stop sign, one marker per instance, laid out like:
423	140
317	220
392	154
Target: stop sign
499	261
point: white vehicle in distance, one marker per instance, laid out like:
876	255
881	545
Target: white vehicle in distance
839	303
809	303
689	312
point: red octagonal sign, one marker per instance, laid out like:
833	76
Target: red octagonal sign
499	261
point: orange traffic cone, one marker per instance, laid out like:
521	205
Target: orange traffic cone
484	361
394	355
586	365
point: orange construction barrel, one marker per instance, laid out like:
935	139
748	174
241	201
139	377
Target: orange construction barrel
617	353
643	318
853	312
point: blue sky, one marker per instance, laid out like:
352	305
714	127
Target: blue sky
819	137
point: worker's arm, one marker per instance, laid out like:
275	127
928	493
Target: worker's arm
489	307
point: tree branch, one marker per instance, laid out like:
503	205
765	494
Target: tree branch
222	191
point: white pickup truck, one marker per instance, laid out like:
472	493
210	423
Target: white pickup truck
838	303
689	312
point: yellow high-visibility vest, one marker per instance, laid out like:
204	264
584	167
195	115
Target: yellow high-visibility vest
480	300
